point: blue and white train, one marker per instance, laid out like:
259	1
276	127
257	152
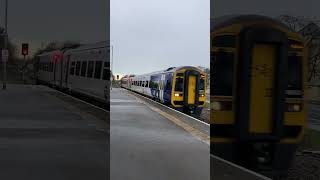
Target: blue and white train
183	88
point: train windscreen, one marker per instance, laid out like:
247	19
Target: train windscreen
294	76
179	84
222	73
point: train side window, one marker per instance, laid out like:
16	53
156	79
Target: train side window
72	68
78	68
201	84
97	71
84	68
105	74
51	67
147	83
222	65
90	69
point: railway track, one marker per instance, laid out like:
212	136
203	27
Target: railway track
306	166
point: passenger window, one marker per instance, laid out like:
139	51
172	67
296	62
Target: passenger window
72	68
105	72
90	69
78	68
202	84
147	83
84	68
97	72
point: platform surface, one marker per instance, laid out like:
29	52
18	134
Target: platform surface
45	137
145	145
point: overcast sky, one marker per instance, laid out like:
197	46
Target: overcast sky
152	35
272	8
41	21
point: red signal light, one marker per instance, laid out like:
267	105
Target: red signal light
25	49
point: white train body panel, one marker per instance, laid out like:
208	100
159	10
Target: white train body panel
82	70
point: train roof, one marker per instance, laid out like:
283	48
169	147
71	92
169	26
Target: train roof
102	44
170	69
231	19
98	45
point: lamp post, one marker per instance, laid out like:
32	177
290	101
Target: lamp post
4	86
111	64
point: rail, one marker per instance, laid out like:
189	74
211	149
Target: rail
225	170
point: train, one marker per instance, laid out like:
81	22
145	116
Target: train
80	69
258	112
182	88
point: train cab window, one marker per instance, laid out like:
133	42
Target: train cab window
78	68
90	69
294	88
97	71
84	68
222	65
179	84
224	41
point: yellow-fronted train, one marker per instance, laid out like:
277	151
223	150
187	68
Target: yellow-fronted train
257	92
183	88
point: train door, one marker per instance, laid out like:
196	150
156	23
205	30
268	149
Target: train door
161	87
66	70
261	84
167	88
262	78
192	79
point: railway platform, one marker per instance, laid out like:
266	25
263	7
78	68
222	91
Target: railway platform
47	135
146	145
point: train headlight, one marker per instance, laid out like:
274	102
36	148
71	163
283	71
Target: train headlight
201	95
177	94
221	105
294	107
216	106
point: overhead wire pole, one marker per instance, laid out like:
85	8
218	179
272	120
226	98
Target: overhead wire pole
111	65
5	46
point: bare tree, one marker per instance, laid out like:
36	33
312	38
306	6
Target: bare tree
309	29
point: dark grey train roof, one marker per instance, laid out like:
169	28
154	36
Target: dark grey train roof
169	70
230	19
